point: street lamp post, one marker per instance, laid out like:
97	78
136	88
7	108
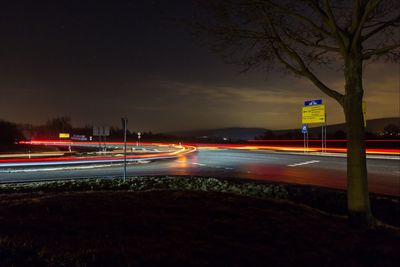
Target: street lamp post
124	124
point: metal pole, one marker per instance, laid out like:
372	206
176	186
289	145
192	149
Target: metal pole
125	121
322	138
325	132
307	141
325	137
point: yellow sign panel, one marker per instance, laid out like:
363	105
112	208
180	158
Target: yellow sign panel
364	108
313	114
63	135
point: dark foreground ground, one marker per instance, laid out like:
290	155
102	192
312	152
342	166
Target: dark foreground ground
180	228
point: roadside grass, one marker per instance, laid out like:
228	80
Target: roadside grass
333	201
17	253
188	221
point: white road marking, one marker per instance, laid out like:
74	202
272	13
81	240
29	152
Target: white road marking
199	164
303	163
64	168
56	169
228	168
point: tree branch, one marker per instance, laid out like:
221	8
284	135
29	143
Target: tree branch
369	7
304	71
380	51
339	34
284	62
325	89
306	42
302	18
381	27
357	12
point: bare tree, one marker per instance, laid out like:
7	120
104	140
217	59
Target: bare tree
58	125
303	36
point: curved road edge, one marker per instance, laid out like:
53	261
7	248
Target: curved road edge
67	161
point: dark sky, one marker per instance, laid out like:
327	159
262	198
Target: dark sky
97	61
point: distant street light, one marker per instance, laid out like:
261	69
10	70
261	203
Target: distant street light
124	125
139	134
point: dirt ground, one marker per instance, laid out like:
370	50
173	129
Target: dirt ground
180	228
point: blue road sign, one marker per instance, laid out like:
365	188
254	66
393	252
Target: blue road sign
313	102
304	128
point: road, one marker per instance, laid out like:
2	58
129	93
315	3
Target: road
326	171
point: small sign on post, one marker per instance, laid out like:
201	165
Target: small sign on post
304	128
313	102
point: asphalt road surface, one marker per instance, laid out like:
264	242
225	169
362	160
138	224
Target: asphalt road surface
326	171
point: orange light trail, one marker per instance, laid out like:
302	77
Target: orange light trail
252	146
184	149
319	141
383	151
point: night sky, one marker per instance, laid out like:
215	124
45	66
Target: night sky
96	61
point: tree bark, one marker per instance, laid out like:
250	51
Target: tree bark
357	182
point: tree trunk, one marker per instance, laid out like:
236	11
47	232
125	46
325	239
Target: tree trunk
357	183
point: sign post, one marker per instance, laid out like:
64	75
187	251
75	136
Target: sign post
101	131
313	111
304	130
124	124
323	138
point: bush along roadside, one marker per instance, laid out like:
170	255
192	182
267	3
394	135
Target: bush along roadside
385	208
275	191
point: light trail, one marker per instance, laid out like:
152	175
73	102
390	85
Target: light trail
46	161
319	141
182	150
375	151
253	146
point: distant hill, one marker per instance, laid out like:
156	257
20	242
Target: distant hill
373	126
233	133
242	133
377	125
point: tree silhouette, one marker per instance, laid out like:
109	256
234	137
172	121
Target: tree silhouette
301	37
58	125
9	133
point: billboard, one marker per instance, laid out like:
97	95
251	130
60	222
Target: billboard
313	114
63	135
101	130
79	137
